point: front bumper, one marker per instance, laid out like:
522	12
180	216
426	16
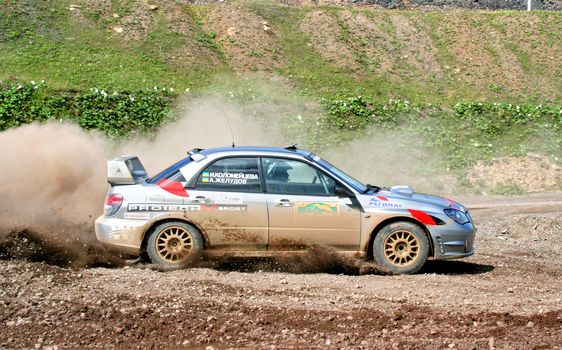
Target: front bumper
120	235
453	241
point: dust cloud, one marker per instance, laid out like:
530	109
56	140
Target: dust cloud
204	123
51	187
393	157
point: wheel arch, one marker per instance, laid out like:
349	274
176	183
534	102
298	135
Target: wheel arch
380	225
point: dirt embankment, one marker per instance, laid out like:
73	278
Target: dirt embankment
507	296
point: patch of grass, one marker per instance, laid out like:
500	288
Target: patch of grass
497	23
523	57
254	53
497	88
493	54
442	37
509	189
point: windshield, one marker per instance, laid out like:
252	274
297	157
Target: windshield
356	184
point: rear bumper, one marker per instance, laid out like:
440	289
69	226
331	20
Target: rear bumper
120	235
453	241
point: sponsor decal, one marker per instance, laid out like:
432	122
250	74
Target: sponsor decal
137	216
422	216
383	202
229	198
185	207
228	178
317	208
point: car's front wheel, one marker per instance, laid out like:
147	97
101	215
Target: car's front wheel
174	244
401	247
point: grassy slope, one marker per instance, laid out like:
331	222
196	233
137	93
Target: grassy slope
44	40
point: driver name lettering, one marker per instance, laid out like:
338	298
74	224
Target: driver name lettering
227	178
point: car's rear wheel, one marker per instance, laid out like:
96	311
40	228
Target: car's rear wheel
401	247
174	244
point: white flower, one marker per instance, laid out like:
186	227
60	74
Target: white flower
299	117
155	88
20	86
42	81
187	90
132	98
32	82
172	89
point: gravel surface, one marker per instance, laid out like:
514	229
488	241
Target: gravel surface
507	296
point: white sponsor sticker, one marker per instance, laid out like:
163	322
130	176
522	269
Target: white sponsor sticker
137	216
227	198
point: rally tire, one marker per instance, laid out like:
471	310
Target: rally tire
174	244
401	247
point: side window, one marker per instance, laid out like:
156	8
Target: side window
231	174
294	177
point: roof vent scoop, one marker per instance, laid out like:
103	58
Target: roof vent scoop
292	147
403	190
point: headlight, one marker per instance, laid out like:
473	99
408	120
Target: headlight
457	215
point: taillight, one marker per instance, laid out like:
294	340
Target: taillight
112	203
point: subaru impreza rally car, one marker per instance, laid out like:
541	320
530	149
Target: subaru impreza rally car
256	201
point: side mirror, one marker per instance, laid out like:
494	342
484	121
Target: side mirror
341	191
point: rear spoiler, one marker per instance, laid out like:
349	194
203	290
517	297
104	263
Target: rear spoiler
125	170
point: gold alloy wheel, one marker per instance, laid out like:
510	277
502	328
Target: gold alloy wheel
174	244
401	248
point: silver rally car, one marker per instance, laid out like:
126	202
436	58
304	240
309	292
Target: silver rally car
256	201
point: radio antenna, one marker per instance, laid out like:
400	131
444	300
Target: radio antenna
229	126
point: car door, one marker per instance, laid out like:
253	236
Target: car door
229	204
303	208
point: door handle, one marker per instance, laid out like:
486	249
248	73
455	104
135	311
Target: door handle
200	199
283	203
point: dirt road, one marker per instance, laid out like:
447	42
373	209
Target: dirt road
506	296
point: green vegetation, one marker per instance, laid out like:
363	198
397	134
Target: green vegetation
508	190
71	55
464	133
115	113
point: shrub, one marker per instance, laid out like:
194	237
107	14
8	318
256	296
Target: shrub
115	113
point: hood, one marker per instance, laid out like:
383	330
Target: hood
405	194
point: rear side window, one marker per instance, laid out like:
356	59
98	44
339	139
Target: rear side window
231	174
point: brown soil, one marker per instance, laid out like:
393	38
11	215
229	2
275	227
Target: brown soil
370	40
249	41
327	37
419	50
167	19
506	296
532	173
